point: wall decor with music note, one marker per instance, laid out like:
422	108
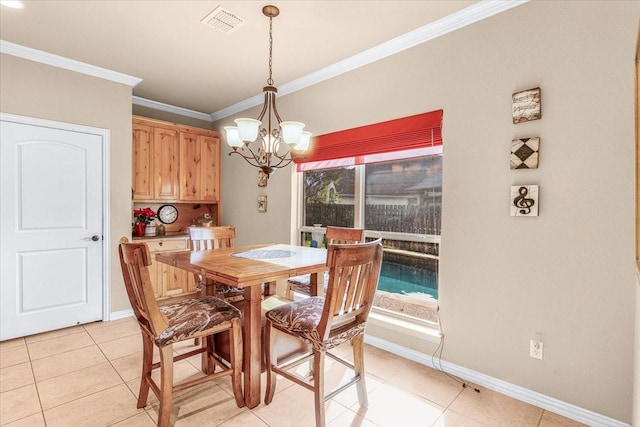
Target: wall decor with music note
524	200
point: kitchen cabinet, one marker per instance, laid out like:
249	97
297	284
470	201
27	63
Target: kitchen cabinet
169	281
155	162
174	163
199	167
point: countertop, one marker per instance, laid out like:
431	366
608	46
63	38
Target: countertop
168	235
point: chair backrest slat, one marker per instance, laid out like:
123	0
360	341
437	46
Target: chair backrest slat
344	235
202	238
354	270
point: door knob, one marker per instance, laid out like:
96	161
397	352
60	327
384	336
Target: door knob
95	238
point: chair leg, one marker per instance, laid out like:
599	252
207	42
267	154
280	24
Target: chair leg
235	354
318	387
271	358
147	361
287	292
358	363
166	385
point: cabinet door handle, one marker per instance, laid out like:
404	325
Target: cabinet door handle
159	243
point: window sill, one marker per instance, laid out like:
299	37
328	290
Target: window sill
405	326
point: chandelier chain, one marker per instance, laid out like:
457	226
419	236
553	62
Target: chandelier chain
270	79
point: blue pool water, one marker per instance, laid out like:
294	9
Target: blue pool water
403	279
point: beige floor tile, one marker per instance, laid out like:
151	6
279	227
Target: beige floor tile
381	363
74	385
348	419
14	356
293	407
134	387
50	347
337	374
392	406
54	334
100	409
15	376
182	371
107	331
495	409
549	419
244	419
140	420
453	419
63	363
427	382
18	403
121	347
16	342
201	406
129	367
35	420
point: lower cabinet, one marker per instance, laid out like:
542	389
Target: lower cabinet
169	281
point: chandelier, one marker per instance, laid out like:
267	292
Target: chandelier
267	146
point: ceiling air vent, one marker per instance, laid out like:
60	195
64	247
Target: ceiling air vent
223	20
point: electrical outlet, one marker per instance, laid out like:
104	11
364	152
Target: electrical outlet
535	349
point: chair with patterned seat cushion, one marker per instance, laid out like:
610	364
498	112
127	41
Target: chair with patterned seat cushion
164	326
334	235
326	322
203	238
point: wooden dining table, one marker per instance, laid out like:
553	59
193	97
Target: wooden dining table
249	267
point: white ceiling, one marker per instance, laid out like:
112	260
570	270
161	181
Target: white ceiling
187	64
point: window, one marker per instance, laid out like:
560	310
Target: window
396	196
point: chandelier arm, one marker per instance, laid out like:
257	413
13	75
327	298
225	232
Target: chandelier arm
254	156
264	106
282	160
247	159
275	109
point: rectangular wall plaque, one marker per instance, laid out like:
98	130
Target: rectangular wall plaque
524	153
526	105
524	200
262	203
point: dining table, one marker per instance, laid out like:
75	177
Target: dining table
249	267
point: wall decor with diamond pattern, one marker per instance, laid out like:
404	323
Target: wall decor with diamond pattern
524	153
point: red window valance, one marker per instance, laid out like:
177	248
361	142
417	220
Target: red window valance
410	135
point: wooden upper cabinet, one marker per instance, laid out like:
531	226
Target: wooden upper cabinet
199	167
175	163
142	162
165	164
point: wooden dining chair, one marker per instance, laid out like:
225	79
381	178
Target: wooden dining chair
164	326
326	322
203	238
334	235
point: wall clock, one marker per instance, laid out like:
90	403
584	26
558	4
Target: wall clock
167	214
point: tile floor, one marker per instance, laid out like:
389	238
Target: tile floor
89	376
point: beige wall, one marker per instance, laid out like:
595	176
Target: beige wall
36	90
569	273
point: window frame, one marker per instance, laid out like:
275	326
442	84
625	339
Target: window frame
297	232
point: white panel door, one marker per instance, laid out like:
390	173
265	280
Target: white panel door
51	247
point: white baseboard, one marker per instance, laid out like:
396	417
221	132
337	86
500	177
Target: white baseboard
525	395
115	315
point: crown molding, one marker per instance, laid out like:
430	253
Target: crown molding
442	26
143	102
66	63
